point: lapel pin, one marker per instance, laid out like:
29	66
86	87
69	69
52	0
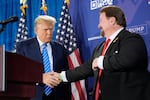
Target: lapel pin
115	39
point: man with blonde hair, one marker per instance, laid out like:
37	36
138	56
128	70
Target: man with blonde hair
57	59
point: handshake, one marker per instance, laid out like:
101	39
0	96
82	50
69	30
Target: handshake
51	79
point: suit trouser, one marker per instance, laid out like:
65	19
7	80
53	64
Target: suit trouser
49	97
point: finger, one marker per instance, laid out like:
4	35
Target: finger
95	68
54	83
56	80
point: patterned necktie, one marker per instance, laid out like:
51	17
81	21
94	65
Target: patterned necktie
46	64
100	71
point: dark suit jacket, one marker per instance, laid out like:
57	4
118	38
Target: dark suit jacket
30	48
125	75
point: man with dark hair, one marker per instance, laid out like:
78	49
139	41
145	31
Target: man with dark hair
120	68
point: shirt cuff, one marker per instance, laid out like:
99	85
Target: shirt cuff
63	76
100	62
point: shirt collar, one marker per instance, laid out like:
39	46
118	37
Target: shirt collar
40	42
112	37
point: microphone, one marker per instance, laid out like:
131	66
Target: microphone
11	19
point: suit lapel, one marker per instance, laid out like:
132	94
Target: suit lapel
53	54
98	50
36	49
111	46
116	42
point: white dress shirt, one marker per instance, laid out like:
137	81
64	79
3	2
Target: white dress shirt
49	49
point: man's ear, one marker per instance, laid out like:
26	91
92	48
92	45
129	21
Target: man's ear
35	29
113	20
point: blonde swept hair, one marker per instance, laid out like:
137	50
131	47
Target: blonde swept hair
45	18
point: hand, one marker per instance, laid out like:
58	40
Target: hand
51	79
95	64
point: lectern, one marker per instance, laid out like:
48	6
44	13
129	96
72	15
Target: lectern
21	75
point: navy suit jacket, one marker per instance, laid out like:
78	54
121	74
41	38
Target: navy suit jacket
30	48
125	75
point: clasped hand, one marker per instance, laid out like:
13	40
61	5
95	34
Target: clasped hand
51	79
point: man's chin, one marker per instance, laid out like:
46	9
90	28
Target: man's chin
49	38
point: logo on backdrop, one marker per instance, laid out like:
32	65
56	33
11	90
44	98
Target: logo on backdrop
141	29
95	4
148	1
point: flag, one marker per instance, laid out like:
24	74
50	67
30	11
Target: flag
22	33
43	7
66	36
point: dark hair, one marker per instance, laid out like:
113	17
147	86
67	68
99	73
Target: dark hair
114	11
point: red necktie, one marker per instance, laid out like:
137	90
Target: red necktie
100	71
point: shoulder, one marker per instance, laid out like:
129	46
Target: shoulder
131	39
26	42
125	34
56	44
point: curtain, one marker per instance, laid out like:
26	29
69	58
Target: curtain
9	8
